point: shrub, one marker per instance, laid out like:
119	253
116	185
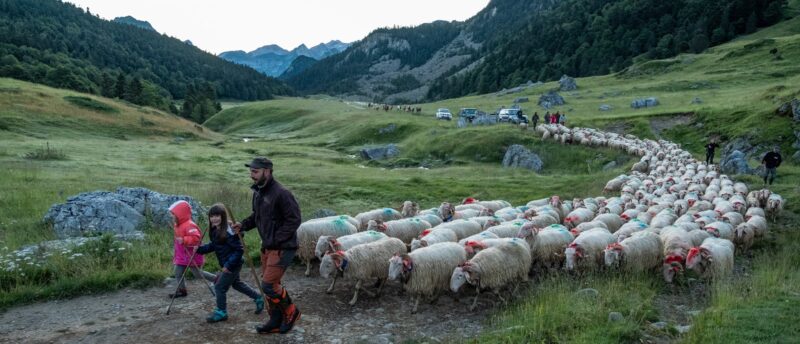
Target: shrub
46	153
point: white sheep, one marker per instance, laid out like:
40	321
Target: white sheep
743	236
759	224
309	232
327	244
613	221
462	228
403	229
698	236
774	206
754	211
720	229
410	209
495	205
733	218
427	271
383	214
628	229
433	219
363	263
676	243
640	252
578	216
547	245
585	253
506	230
434	236
478	237
473	247
347	218
494	268
713	259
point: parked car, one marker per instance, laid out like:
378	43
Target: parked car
505	114
468	113
519	118
444	114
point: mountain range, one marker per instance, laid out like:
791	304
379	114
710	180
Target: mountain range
274	60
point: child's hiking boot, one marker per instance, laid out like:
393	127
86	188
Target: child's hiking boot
217	316
180	293
259	304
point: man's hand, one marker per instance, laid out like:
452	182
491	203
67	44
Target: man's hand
237	227
225	270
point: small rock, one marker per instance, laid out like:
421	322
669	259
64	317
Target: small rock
693	313
299	330
615	317
605	107
590	292
697	100
389	326
659	325
644	103
683	328
610	165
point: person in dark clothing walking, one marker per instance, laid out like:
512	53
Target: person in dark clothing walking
277	216
547	117
710	147
771	161
535	119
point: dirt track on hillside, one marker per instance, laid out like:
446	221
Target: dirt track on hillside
137	316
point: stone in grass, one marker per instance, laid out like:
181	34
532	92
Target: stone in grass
588	292
615	317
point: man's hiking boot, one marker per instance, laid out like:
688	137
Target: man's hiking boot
217	315
180	293
273	324
259	304
291	313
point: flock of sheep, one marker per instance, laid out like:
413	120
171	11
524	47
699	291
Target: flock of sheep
672	213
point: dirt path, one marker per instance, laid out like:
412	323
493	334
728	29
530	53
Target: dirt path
137	316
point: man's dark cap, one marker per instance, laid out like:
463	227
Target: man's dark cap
260	162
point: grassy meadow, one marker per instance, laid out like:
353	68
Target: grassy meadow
57	143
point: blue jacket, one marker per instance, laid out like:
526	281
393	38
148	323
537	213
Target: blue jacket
229	253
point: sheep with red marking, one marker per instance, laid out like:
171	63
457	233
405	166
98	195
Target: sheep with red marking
743	236
613	221
462	228
494	268
403	229
578	216
676	243
759	224
585	253
713	259
720	229
698	236
640	252
754	211
426	272
547	245
327	244
478	237
309	232
362	263
430	237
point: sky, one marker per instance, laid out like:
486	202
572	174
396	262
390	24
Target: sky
216	26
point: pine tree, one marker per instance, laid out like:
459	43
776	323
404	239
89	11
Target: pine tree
120	86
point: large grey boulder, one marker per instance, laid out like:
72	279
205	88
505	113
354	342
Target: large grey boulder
736	163
517	156
644	103
123	212
550	99
380	153
567	83
796	110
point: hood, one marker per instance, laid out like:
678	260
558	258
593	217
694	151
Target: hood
182	211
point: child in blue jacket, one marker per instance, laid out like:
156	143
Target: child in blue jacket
229	250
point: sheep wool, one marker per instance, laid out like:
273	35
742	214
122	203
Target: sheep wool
427	271
494	268
383	214
327	243
309	232
713	259
640	252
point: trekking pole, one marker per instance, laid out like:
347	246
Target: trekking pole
183	275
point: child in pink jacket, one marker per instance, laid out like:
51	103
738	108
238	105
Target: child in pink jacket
187	238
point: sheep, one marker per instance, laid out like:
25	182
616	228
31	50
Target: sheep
629	229
347	218
487	221
676	243
613	221
473	247
309	232
713	259
759	224
478	237
587	226
494	268
615	184
733	218
462	228
720	229
743	236
404	229
383	214
547	245
362	263
754	211
427	271
697	236
495	205
327	244
585	253
640	252
410	209
470	206
433	236
577	217
774	206
508	230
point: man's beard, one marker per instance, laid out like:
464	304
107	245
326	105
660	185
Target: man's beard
261	181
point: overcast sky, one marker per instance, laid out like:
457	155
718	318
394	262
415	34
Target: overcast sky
217	26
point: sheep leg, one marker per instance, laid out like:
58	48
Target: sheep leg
497	293
435	298
475	301
308	268
380	286
355	295
416	304
333	283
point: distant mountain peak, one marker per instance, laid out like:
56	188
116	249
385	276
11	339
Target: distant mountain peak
129	20
273	60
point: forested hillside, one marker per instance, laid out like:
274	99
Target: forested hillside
60	45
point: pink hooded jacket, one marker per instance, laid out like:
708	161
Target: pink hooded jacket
185	228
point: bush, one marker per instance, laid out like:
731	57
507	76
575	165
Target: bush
46	153
90	104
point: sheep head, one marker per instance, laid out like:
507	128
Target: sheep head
330	264
457	279
612	254
573	253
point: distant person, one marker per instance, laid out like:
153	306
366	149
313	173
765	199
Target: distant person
554	118
186	239
277	216
535	119
229	249
562	119
771	161
710	147
547	117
